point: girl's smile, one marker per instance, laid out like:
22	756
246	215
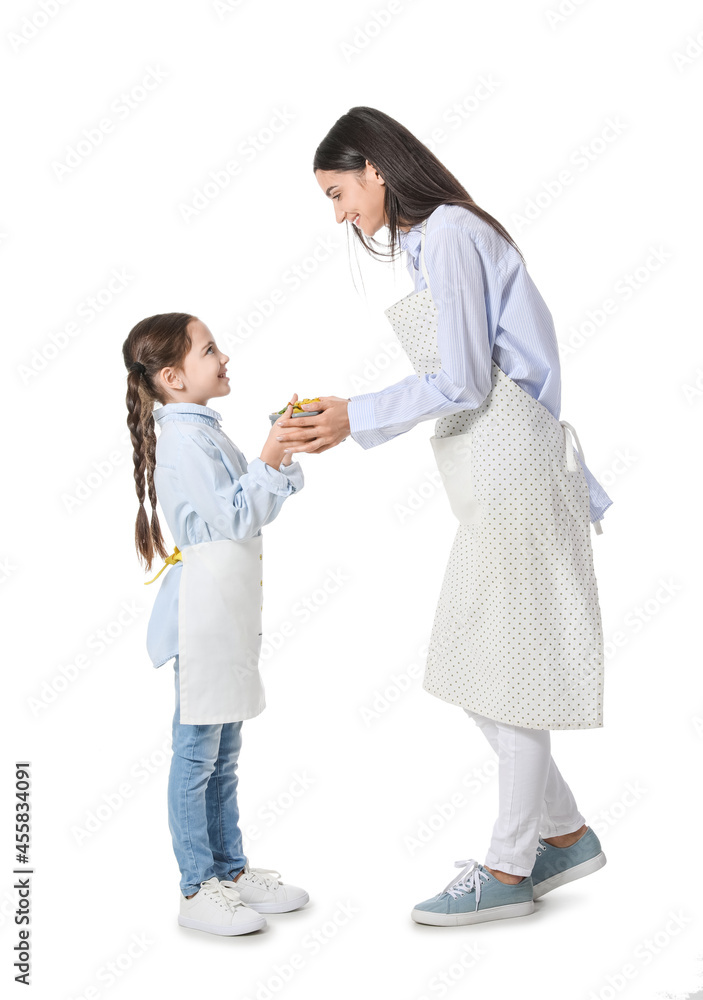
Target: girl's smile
204	374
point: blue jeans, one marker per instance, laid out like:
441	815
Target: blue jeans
203	815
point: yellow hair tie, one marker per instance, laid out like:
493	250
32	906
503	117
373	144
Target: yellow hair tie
170	561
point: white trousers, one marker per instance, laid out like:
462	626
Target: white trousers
534	799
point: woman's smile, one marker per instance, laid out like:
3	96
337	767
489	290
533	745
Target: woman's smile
365	187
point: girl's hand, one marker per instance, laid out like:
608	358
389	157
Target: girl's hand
273	452
318	433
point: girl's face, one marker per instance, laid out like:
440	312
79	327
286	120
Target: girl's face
357	198
202	376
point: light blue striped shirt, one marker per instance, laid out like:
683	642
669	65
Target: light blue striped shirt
207	491
488	308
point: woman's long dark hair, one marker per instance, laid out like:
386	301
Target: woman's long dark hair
156	342
416	181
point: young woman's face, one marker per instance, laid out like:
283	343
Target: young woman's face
357	198
203	372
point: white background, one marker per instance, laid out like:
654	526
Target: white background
69	567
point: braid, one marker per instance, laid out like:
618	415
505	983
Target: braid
142	534
149	437
154	343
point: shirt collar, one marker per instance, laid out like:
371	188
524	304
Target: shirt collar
410	241
200	413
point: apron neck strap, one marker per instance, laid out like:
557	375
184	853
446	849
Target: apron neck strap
422	254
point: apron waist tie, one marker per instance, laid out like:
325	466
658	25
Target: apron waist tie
571	460
170	561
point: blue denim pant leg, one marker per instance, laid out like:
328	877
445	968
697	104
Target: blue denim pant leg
203	814
222	808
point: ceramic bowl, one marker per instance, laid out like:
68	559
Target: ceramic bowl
273	417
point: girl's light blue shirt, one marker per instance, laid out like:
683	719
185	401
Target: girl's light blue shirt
488	308
208	492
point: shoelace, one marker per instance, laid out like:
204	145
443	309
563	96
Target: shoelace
267	878
468	881
221	893
541	846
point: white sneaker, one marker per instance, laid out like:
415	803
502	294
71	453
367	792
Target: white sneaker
262	890
218	908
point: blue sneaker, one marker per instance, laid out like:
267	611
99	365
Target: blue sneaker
475	895
554	866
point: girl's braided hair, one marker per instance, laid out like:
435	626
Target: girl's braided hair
156	342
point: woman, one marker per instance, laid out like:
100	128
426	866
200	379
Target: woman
517	638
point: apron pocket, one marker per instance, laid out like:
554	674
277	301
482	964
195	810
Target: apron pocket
453	457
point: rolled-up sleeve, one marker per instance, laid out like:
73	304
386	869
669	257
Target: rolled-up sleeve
458	285
236	508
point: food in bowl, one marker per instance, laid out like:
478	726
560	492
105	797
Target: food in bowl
297	411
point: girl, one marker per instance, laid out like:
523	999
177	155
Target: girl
516	640
207	613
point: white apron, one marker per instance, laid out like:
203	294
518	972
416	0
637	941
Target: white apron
219	631
517	633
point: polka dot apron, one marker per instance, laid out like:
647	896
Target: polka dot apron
517	633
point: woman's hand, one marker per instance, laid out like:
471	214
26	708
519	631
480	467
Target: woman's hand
318	433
